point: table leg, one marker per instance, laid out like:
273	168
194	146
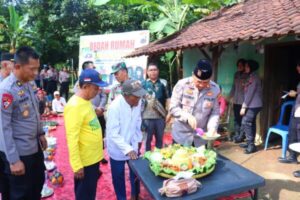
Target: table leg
255	195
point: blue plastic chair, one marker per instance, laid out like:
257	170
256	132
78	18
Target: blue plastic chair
280	128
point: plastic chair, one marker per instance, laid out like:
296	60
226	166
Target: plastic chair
281	129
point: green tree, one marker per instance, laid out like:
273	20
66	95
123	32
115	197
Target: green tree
170	16
59	25
13	28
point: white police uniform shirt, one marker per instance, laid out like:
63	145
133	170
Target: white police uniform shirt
203	105
20	119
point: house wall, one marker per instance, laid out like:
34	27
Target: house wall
227	63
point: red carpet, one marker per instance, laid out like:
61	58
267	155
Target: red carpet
105	188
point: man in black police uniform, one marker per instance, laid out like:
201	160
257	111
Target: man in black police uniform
22	138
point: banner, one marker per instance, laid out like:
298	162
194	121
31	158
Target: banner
107	50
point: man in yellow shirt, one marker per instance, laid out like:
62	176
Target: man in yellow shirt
84	135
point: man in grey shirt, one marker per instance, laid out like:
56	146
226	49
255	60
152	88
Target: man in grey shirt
22	137
99	103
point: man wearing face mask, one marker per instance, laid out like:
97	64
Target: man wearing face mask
194	104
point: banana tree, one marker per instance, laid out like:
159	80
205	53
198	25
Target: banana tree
13	28
171	16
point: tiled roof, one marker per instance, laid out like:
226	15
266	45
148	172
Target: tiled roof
250	20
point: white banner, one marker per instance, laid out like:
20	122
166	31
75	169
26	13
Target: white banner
107	50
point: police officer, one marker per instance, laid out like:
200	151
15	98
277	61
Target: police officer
251	106
120	72
237	97
64	82
6	68
22	138
194	104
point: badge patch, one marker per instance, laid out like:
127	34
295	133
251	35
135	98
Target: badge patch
208	104
189	91
199	73
210	93
25	113
7	100
21	93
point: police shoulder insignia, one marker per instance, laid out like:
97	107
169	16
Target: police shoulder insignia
7	100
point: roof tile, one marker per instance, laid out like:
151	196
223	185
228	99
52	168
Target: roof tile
250	20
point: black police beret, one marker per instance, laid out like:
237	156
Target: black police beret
203	70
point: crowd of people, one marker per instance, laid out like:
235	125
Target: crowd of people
49	78
95	120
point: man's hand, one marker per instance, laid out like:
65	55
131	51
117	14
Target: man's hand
139	150
99	111
43	142
192	121
17	168
292	93
132	155
168	118
79	174
243	111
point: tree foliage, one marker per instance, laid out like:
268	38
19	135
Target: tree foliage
54	27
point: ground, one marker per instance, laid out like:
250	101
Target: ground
280	182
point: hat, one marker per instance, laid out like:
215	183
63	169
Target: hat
56	93
91	76
203	70
253	65
117	67
7	57
133	87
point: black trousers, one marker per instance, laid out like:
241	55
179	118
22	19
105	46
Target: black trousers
29	185
103	126
249	124
237	119
4	188
294	130
51	87
85	189
64	90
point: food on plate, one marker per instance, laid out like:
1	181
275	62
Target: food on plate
176	158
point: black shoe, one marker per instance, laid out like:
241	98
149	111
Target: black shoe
238	140
296	174
251	148
288	160
243	145
104	161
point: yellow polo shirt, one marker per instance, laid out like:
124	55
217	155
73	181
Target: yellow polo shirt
84	133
